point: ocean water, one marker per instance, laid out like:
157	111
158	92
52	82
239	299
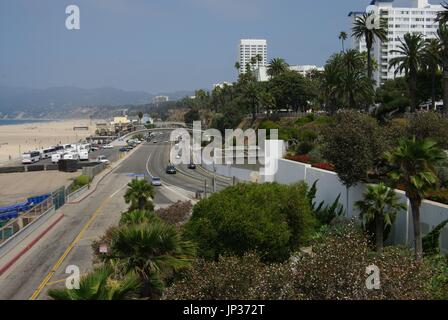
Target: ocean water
4	122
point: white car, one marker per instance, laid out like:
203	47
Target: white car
108	146
155	181
102	159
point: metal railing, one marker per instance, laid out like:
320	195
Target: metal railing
15	225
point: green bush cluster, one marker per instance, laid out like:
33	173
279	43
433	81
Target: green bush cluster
271	219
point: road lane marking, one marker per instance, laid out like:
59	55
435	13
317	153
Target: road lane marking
116	192
44	282
165	184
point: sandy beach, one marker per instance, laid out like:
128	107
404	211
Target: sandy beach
16	139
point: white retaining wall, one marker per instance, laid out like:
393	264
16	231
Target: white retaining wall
329	187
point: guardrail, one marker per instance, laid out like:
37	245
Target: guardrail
76	194
15	226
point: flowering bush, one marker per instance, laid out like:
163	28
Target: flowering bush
440	196
233	278
336	269
324	166
299	158
175	214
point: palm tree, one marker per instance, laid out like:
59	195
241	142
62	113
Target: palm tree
380	206
363	29
139	194
101	284
251	92
140	116
259	59
442	34
330	84
343	36
154	251
276	67
442	16
432	60
353	81
409	61
137	217
237	66
414	162
267	101
253	62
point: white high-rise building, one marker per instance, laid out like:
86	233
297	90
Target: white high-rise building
249	48
419	18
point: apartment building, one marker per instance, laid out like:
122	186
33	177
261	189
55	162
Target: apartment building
418	18
249	48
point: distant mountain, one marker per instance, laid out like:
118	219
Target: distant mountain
177	95
52	102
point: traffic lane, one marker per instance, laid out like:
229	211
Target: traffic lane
24	278
136	164
189	179
81	255
157	163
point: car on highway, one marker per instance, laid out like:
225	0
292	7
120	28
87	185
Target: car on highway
192	166
108	146
155	181
171	169
155	141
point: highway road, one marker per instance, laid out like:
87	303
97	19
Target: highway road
69	242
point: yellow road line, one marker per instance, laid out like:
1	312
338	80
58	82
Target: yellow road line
57	281
68	250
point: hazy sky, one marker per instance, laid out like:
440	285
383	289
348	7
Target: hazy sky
159	45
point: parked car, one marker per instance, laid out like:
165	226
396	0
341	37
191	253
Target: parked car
124	149
171	169
108	146
102	159
155	181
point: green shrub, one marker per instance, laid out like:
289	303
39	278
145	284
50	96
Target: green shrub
431	243
353	144
304	120
304	147
316	155
438	285
429	125
79	182
271	219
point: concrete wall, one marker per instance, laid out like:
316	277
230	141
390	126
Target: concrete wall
329	187
229	171
77	194
93	171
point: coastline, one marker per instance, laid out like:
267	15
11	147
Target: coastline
18	138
